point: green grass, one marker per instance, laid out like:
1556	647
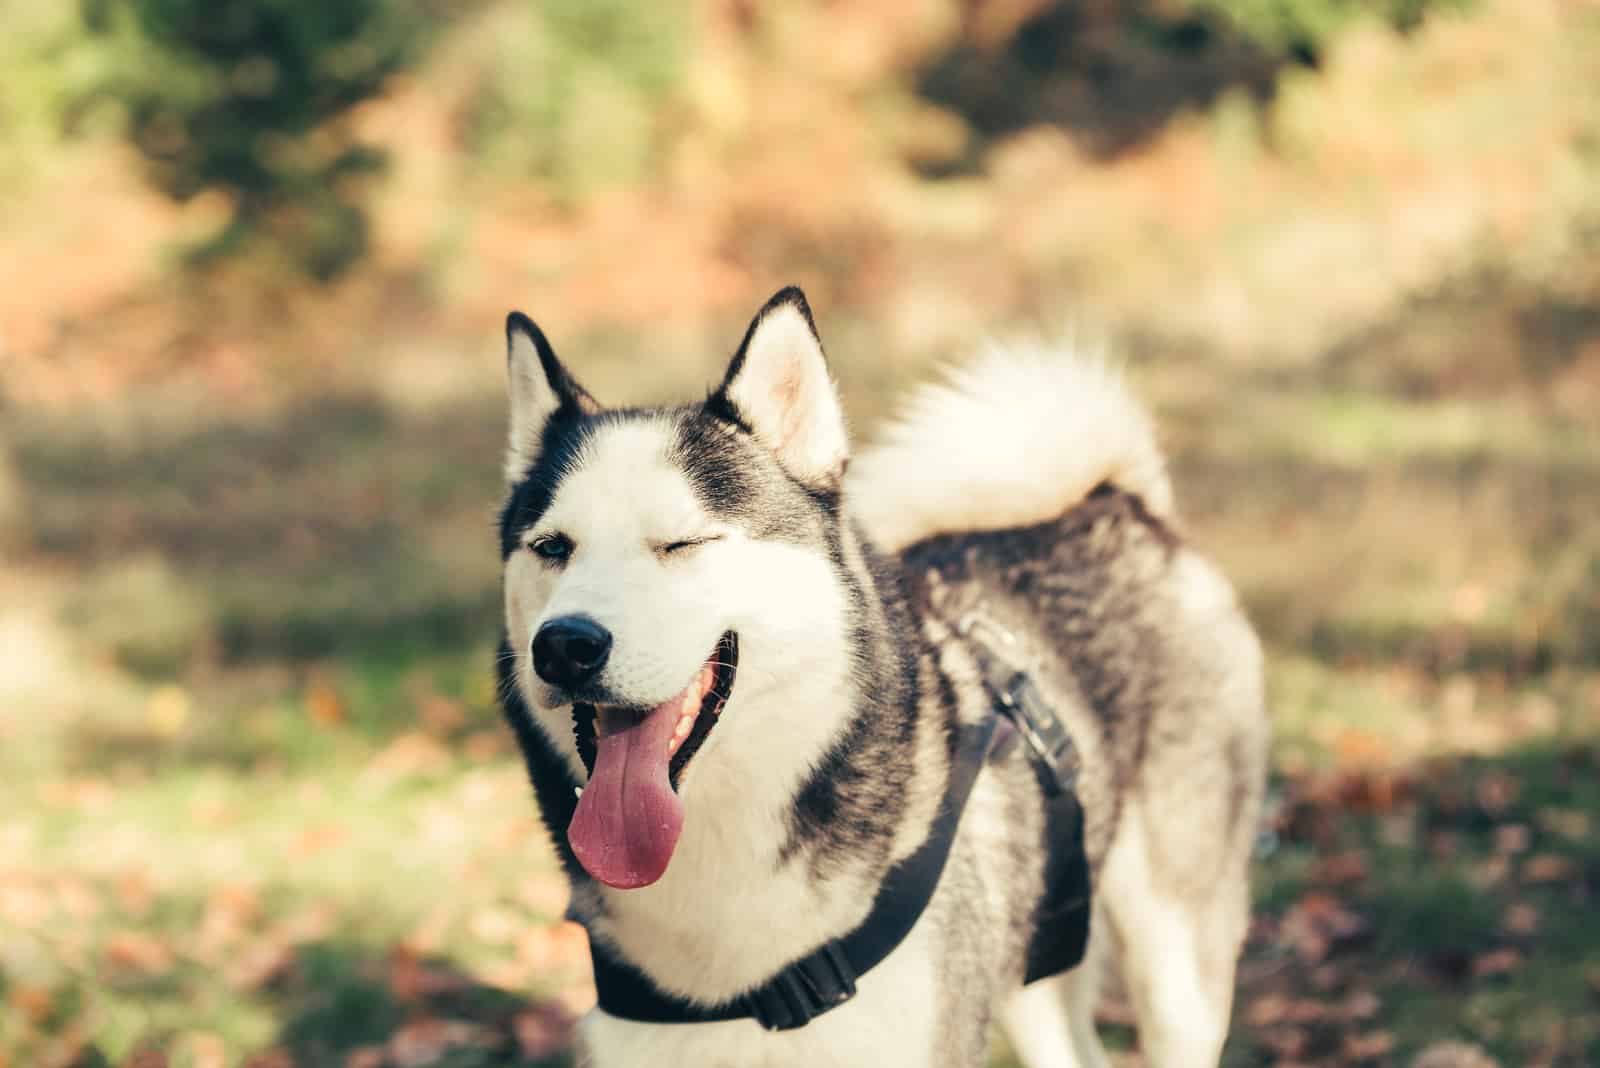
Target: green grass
254	790
1464	869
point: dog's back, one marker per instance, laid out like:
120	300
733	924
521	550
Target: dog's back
1028	491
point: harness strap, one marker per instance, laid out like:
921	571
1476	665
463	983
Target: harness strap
1061	922
825	977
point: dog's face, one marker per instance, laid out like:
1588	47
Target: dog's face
673	595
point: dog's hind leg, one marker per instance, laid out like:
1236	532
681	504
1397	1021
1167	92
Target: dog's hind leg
1178	954
1050	1023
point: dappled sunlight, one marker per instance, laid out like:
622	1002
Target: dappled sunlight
257	803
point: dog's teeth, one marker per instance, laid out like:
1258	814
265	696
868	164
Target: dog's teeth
577	791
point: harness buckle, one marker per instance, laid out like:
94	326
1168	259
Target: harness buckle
803	991
1017	697
1043	730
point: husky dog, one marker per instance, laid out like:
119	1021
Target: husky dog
736	676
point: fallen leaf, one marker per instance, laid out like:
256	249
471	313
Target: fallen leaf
482	746
1287	1042
1326	978
1266	1010
1362	1005
322	702
138	952
427	1041
1496	962
1341	869
134	893
440	714
1355	748
365	1057
1512	838
77	793
1491	871
1495	792
259	966
542	1032
314	840
1318	923
1521	919
231	910
1570	823
77	900
1368	1046
554	947
1547	868
411	754
429	935
207	1050
1444	845
1453	1055
34	1002
1398	829
307	924
413	979
146	1056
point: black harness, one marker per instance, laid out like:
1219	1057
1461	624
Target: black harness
826	978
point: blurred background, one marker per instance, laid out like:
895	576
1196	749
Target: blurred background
256	806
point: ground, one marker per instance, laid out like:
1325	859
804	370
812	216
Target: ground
275	812
256	804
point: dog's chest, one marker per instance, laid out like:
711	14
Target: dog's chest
712	938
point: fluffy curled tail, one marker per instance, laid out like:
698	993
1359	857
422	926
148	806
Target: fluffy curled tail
1015	437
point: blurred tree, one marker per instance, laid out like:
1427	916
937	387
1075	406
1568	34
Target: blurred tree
607	72
1301	29
1115	71
251	98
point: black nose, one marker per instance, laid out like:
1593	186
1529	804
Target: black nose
569	651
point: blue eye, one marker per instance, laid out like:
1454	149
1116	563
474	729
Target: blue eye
552	547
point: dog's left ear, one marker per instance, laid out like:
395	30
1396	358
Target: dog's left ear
778	388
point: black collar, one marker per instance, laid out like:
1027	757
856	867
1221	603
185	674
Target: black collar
826	977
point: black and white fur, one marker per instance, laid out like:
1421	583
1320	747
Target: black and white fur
1027	487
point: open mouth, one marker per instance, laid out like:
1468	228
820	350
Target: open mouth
628	816
698	707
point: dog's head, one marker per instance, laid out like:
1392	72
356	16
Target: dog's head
674	596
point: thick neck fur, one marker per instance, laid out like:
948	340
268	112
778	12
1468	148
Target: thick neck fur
788	833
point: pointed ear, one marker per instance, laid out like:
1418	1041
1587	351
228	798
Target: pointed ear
778	388
540	390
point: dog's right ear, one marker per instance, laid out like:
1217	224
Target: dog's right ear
541	390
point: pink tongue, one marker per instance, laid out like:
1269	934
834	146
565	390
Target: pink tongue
628	819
